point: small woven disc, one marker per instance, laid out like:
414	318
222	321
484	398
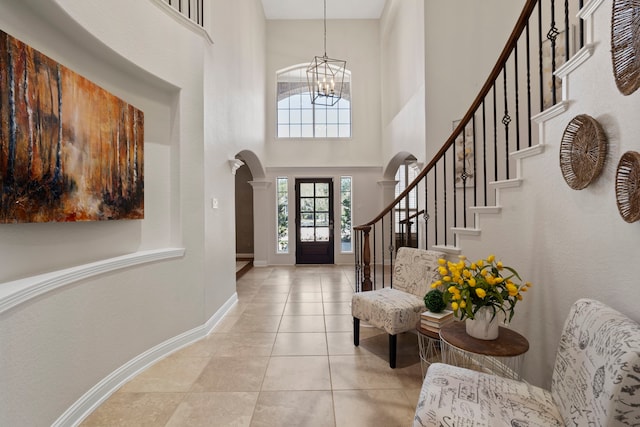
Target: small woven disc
625	44
583	149
628	186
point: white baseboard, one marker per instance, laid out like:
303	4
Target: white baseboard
110	384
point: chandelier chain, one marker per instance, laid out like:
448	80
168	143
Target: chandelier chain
325	28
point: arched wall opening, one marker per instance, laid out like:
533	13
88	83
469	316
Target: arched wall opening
247	232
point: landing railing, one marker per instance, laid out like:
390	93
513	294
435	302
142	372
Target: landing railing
192	9
476	158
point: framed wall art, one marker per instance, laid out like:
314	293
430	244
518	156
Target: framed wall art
69	150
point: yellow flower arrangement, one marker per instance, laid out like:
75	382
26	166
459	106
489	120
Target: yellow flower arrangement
485	283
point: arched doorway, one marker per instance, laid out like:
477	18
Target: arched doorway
250	196
244	220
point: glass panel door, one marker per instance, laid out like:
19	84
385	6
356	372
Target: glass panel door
314	218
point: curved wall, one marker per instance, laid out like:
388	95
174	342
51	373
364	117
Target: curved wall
59	346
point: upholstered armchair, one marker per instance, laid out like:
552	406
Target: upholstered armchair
397	309
595	381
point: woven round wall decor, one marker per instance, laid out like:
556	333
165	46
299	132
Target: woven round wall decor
628	186
583	149
625	44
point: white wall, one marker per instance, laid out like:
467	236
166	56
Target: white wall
234	98
463	41
198	113
403	108
293	42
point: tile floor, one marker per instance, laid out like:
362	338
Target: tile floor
282	356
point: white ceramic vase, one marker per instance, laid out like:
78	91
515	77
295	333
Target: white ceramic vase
482	326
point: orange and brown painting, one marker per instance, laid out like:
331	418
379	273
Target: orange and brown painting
69	150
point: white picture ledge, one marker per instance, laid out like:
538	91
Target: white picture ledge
19	291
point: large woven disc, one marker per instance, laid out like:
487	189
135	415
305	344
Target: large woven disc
583	149
628	186
625	44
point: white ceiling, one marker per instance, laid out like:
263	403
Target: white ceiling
314	9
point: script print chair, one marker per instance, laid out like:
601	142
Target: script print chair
595	381
397	309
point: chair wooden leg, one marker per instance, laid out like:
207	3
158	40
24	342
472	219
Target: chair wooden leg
393	339
356	331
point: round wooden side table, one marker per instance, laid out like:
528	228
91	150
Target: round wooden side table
503	356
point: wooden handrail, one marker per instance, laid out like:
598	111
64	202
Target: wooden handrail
411	216
520	26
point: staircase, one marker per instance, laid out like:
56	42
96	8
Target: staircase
570	244
484	158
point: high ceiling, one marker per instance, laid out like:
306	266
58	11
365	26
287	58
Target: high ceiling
314	9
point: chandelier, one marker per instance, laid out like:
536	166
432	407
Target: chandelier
325	76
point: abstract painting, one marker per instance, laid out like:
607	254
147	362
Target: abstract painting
69	150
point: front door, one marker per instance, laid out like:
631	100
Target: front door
314	221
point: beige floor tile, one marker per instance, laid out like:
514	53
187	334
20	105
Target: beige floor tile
297	373
278	288
239	307
377	342
333	287
337	296
305	297
214	409
246	295
294	408
232	374
413	394
339	323
277	354
226	323
306	280
257	273
135	410
341	343
241	344
172	374
372	372
302	324
300	344
254	323
280	282
251	277
264	308
343	307
262	297
201	348
366	408
305	289
303	309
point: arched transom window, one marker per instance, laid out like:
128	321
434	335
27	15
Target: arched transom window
297	117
